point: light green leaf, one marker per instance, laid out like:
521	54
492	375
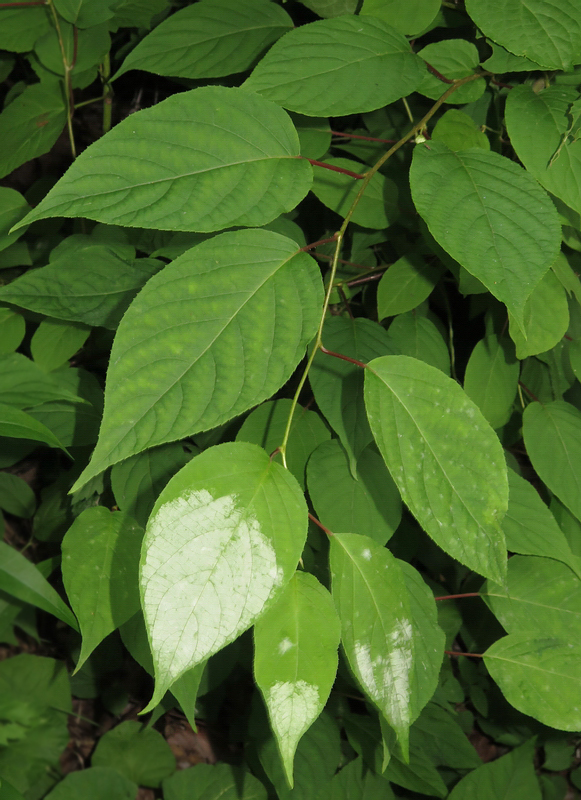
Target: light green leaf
266	425
406	284
511	777
20	578
377	630
408	18
62	291
210	39
217	331
454	59
295	670
100	573
443	456
16	496
529	526
17	424
539	676
201	160
94	783
545	316
553	155
491	379
338	385
490	215
138	753
377	207
314	68
12	330
13	207
458	131
223	540
552	435
368	504
546	32
213	782
54	343
414	335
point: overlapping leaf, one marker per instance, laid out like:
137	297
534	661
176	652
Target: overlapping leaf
13	207
491	379
454	59
409	18
213	782
511	777
545	318
414	335
17	424
406	284
216	332
444	458
223	540
202	160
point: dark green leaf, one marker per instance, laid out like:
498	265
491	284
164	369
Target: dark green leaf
17	424
414	335
21	27
140	754
23	384
16	496
54	343
491	379
454	59
356	781
13	207
216	782
12	330
545	316
406	284
94	783
408	18
511	777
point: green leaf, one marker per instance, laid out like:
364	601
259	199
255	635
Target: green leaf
62	291
444	458
85	13
408	18
232	318
210	39
12	330
13	207
377	633
295	670
266	425
356	781
338	385
20	578
458	131
198	161
417	773
511	777
377	207
491	379
553	154
314	68
454	59
501	61
406	284
539	676
314	135
137	13
139	754
17	424
547	33
31	124
552	435
213	782
368	504
529	526
54	343
490	215
94	783
100	573
16	496
331	8
545	316
24	384
437	734
414	335
21	27
83	48
223	540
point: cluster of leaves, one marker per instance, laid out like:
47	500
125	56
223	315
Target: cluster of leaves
342	360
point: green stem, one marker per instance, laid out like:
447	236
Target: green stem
107	94
69	99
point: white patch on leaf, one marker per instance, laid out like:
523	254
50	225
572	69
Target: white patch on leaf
285	645
293	707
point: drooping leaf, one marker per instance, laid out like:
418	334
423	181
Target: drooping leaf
223	540
231	319
16	496
17	424
408	18
539	676
406	284
209	39
314	68
138	753
491	379
511	777
201	160
414	335
368	504
444	458
12	330
293	669
54	343
454	59
545	317
458	131
23	384
213	782
371	598
13	207
489	215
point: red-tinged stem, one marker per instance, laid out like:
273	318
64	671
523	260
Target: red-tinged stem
341	261
528	391
316	244
458	653
345	301
320	524
342	357
367	279
274	452
365	138
501	84
32	3
335	169
457	596
437	73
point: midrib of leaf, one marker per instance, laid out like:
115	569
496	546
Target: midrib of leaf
533	666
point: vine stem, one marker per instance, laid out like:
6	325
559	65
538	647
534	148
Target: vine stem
417	128
457	596
68	67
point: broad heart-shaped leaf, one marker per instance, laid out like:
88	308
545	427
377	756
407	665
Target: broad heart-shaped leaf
511	777
491	379
223	540
314	68
209	39
338	385
547	32
17	424
543	131
202	160
445	459
377	630
217	331
488	214
295	666
368	504
100	573
539	676
552	435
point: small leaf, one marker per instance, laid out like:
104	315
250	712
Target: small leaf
511	777
213	782
54	343
454	59
406	284
201	160
223	540
491	379
295	670
539	676
138	753
490	215
12	330
314	68
356	781
414	335
17	424
246	302
545	317
458	131
445	459
13	207
16	496
371	598
85	13
100	573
